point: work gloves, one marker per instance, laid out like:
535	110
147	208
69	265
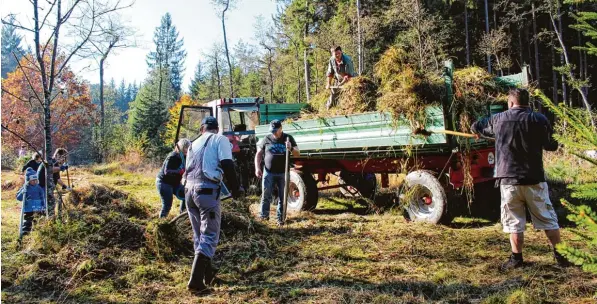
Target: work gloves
67	188
63	167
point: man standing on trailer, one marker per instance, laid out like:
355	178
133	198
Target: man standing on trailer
209	159
272	151
340	68
521	135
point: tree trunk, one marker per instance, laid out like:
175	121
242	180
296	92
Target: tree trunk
487	31
306	56
307	74
554	75
102	109
161	72
570	73
495	24
497	63
468	47
298	74
218	76
316	72
359	38
48	149
565	96
271	77
520	53
536	45
419	35
580	58
528	43
226	47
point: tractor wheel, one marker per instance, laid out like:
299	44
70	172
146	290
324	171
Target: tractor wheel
303	193
423	197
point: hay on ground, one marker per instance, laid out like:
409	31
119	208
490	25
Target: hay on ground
104	198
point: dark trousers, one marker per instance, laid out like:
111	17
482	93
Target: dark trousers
28	219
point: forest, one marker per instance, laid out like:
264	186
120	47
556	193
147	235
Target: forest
286	62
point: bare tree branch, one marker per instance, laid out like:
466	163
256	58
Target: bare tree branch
5	128
17	26
28	81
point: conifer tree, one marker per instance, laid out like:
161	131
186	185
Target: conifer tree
169	54
197	82
577	137
11	47
149	114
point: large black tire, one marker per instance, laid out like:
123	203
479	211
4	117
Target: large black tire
358	185
303	194
425	198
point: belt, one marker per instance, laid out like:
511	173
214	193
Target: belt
205	191
209	191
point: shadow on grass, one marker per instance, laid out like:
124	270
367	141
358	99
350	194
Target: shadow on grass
367	291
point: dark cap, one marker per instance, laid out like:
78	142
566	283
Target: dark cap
275	125
210	121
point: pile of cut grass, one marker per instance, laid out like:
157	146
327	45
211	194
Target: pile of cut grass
358	95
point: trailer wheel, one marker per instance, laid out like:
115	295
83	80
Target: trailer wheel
302	194
358	185
423	197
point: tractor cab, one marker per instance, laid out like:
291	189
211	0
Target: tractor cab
237	118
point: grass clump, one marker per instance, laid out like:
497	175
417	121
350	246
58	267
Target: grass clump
104	198
167	241
102	237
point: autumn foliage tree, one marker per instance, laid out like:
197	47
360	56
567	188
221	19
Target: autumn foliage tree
172	124
22	113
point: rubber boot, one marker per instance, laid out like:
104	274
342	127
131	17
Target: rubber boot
198	274
210	273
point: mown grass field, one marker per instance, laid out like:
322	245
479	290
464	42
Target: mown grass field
338	254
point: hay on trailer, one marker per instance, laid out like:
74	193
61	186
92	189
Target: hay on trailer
404	91
358	95
474	90
475	85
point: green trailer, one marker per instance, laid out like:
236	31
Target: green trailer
362	150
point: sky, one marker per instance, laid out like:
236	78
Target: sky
196	20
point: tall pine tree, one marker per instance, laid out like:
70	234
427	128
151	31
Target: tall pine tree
197	82
169	54
11	46
121	97
149	113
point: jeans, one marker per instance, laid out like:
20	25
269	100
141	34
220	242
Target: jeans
167	196
268	182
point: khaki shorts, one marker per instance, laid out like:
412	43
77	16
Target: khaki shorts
536	199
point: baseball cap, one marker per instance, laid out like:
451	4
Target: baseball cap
275	125
210	121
